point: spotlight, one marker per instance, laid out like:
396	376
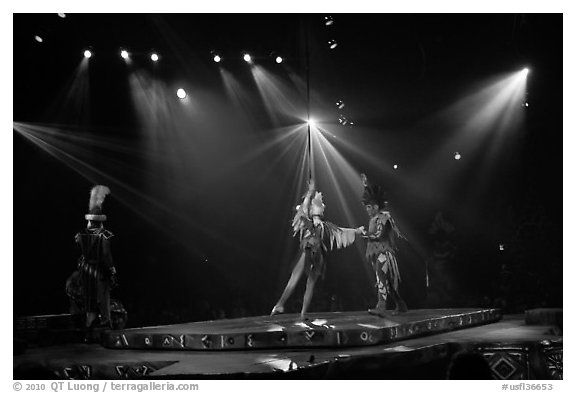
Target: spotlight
340	104
457	156
501	247
247	58
395	166
525	104
342	120
87	54
311	123
124	53
154	57
38	38
328	20
279	59
525	71
332	44
217	59
61	15
181	93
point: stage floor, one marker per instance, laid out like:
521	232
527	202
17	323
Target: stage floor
81	361
328	330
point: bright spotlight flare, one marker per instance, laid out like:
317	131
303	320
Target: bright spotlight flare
247	58
525	72
181	93
279	59
311	123
217	59
457	156
332	44
38	38
154	57
328	20
124	53
87	54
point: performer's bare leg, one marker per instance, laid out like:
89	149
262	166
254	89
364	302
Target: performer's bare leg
308	294
90	317
292	282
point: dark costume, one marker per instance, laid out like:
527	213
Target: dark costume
381	248
95	265
314	233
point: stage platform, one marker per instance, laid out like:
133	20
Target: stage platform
512	348
327	330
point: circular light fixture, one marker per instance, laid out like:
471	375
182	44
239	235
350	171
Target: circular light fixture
87	54
457	156
217	59
279	59
395	166
124	53
332	44
247	58
154	57
38	38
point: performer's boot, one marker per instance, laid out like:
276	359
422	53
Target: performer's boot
400	303
380	308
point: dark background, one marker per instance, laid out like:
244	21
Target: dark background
202	232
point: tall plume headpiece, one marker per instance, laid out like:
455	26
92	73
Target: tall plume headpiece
97	197
373	194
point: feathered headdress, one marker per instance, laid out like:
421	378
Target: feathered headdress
97	196
373	195
317	206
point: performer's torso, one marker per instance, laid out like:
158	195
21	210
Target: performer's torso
92	244
383	241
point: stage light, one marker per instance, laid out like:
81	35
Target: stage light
525	104
311	123
154	57
61	15
181	93
247	58
332	44
340	104
525	72
87	54
217	59
395	166
124	54
328	20
342	120
457	156
279	59
38	38
501	246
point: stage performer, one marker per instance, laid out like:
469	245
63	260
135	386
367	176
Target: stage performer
381	248
96	267
314	234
